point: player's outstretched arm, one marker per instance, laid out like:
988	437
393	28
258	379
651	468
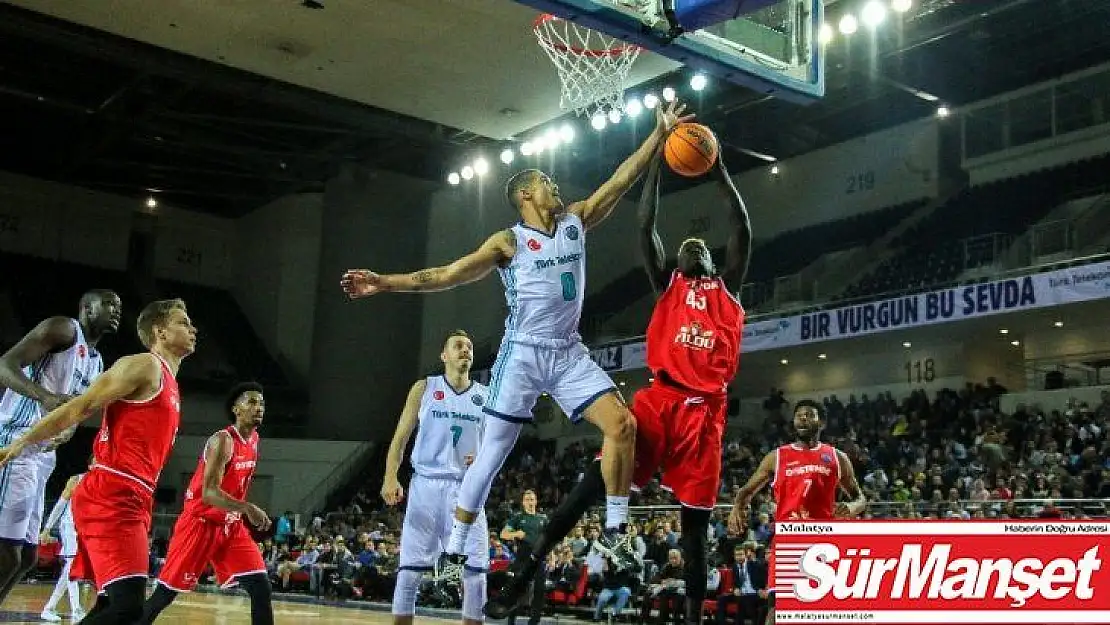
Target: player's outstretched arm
738	518
130	377
848	483
497	250
651	246
596	208
50	335
392	492
740	242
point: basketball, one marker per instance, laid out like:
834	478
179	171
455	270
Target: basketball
691	150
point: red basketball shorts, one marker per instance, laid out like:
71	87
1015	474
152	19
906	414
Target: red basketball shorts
680	434
198	542
112	514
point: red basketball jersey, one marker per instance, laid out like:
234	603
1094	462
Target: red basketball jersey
236	480
694	334
805	483
136	437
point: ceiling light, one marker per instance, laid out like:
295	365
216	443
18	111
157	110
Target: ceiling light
822	356
901	6
774	170
651	100
151	202
614	116
848	24
506	156
467	172
598	122
651	379
633	107
1015	343
907	344
698	82
566	133
874	12
551	138
453	178
481	166
1003	331
622	383
669	94
825	35
943	111
526	148
784	361
1058	324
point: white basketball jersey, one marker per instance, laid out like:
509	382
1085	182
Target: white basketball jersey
546	281
449	429
69	372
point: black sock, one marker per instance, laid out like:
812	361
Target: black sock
585	494
257	586
159	600
694	543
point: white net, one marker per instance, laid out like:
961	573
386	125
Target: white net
592	66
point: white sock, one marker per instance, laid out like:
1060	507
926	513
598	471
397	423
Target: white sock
60	587
459	533
616	511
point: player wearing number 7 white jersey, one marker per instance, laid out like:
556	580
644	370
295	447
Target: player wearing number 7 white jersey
446	412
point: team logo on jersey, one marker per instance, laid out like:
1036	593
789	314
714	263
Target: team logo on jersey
534	245
572	233
694	336
477	399
438	395
826	458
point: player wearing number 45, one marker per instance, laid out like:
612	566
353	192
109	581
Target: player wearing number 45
542	262
447	409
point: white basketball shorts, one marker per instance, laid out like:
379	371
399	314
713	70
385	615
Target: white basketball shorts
427	526
23	496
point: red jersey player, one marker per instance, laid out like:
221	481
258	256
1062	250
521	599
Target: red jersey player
210	528
805	476
112	506
693	350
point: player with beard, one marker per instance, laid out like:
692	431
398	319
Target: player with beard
693	350
805	476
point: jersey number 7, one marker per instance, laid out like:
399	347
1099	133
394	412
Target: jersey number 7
456	434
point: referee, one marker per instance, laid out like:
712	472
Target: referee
523	529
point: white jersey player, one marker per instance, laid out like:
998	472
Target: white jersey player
62	517
446	412
56	360
542	266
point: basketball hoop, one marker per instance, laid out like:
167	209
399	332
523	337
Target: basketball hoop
592	66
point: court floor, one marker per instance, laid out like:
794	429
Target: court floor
26	601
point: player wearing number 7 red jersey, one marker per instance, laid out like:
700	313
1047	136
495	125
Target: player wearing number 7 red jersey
805	476
210	529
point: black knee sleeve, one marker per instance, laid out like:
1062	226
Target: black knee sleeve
257	586
125	603
28	557
694	543
158	601
584	494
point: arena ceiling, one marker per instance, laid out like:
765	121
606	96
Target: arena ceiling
222	107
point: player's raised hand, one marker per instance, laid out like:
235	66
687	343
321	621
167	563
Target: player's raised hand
392	491
358	283
257	517
667	119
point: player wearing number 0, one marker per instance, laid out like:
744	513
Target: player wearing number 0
446	411
542	262
805	476
693	350
210	529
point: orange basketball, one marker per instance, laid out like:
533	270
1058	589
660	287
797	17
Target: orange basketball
691	150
